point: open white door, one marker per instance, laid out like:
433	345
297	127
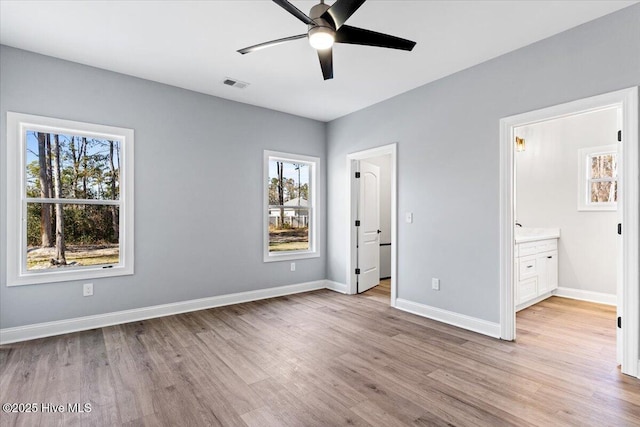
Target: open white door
620	249
369	229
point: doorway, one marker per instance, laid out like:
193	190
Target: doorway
372	220
627	290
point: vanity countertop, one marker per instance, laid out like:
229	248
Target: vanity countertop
524	234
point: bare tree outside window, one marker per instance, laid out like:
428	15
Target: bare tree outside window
598	183
71	182
603	179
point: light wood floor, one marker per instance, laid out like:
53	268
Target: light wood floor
381	292
326	359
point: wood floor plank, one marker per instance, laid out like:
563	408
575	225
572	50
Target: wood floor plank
241	365
322	358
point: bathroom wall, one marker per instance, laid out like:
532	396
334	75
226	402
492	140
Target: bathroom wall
547	193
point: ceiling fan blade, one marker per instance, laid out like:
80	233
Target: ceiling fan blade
269	44
354	35
340	11
294	11
326	63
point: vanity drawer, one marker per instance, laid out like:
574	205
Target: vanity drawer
547	245
527	267
530	248
527	289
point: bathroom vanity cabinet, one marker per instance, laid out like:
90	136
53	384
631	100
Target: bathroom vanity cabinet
536	267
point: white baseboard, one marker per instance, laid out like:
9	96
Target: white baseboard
336	286
599	297
451	318
534	301
41	330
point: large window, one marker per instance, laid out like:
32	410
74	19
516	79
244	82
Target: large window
70	192
290	202
598	182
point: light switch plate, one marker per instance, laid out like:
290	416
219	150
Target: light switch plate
409	217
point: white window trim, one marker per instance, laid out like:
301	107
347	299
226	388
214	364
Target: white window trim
314	190
584	190
17	274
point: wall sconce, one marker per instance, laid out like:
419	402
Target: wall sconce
520	144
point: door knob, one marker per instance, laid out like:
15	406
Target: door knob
379	231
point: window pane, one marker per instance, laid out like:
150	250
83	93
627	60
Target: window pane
90	235
72	166
288	228
288	183
603	166
288	206
604	192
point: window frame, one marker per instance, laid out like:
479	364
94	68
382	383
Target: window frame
584	178
314	190
17	126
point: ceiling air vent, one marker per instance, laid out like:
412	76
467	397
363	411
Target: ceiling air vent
235	83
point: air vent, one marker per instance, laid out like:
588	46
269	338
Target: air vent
235	83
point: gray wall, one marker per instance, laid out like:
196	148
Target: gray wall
547	193
448	149
198	198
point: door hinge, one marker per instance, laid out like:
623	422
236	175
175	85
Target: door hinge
620	228
357	223
357	271
357	174
619	322
619	136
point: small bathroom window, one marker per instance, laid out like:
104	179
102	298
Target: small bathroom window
598	181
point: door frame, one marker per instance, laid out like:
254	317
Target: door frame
352	204
627	100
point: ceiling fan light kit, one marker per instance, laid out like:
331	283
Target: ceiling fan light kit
321	38
325	26
321	34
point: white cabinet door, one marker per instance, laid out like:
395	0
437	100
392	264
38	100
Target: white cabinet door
552	271
543	282
547	272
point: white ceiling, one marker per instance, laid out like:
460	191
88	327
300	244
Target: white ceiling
192	44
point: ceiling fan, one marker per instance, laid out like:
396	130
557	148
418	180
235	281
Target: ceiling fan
326	27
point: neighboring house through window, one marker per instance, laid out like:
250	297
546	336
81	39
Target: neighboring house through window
598	180
290	226
70	198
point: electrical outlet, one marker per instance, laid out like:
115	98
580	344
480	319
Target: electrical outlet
293	266
435	284
87	289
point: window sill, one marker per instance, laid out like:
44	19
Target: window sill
291	256
63	275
